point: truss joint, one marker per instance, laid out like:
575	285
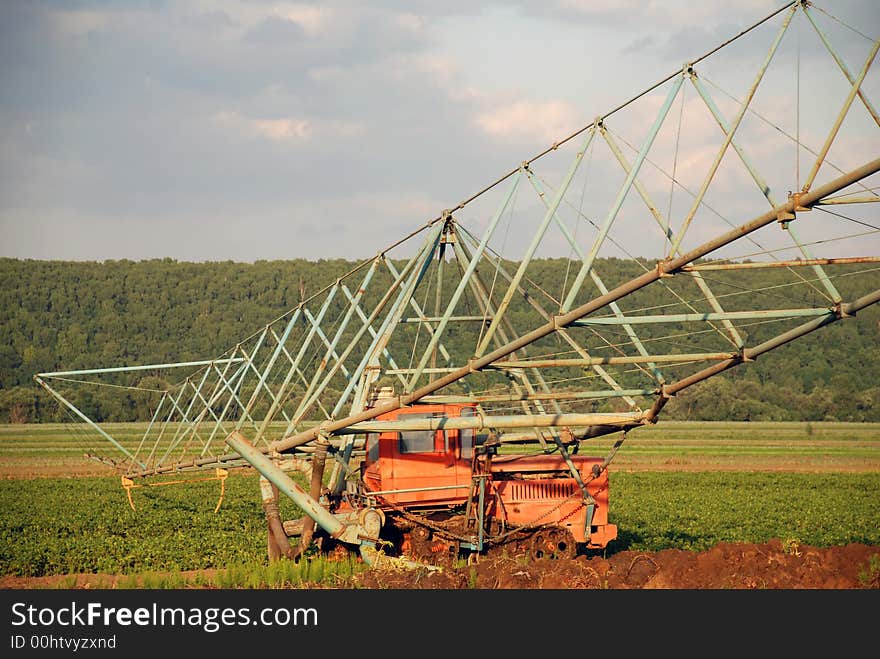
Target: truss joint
841	311
665	392
662	272
795	198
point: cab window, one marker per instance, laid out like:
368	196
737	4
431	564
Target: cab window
372	447
466	436
419	441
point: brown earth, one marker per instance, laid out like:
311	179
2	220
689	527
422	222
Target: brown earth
772	565
726	566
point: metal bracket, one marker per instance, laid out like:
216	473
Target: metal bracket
841	312
784	217
796	198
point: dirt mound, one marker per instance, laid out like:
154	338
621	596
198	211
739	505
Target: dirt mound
773	565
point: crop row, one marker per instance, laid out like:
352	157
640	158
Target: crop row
66	526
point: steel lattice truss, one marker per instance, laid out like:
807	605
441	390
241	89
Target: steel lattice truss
461	308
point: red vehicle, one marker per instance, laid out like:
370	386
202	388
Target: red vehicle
444	489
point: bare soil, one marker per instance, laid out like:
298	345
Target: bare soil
772	565
726	566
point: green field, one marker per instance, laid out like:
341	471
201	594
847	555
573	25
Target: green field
675	485
60	526
786	446
57	449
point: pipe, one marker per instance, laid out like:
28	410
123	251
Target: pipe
664	268
319	460
751	353
277	543
143	367
479	422
780	264
273	474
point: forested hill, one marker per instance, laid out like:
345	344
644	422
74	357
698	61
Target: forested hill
72	315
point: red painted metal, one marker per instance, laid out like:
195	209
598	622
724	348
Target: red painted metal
429	470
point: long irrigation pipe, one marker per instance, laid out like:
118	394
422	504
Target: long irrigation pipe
663	269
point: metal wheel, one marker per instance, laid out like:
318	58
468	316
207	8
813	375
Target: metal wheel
553	542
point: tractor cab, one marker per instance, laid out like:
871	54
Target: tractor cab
430	460
421	462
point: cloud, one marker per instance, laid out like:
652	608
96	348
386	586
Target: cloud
75	23
286	129
293	118
312	20
274	30
523	118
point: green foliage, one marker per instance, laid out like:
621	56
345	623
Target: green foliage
85	525
252	574
869	577
472	577
694	511
74	315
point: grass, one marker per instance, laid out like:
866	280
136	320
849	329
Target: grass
29	449
795	446
674	485
307	573
56	527
869	577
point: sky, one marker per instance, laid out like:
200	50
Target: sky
250	130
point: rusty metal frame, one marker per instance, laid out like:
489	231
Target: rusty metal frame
335	346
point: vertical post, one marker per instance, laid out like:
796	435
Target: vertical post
462	284
438	293
276	539
319	460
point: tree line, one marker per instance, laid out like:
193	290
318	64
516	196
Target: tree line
74	315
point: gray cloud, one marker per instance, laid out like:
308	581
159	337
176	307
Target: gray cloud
311	129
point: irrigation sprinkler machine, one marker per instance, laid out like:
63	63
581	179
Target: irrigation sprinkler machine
437	402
